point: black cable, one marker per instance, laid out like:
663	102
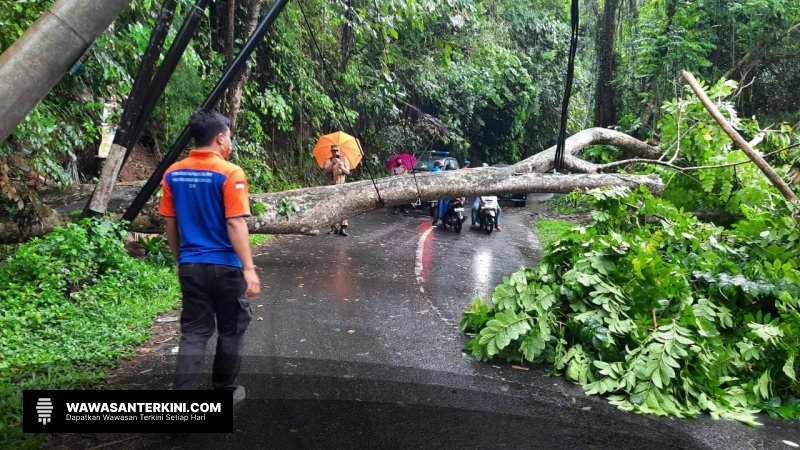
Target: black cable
227	78
339	102
558	163
413	174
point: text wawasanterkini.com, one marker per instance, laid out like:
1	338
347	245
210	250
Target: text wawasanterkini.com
140	411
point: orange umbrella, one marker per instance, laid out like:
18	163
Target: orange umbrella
347	146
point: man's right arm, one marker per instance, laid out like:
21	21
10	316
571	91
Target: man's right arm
327	167
174	237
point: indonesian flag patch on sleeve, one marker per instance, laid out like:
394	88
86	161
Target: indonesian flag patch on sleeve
239	185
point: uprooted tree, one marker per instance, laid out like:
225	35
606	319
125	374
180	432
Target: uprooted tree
317	207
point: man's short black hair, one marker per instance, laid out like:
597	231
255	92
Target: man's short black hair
205	125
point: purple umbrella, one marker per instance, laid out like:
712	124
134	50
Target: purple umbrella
408	161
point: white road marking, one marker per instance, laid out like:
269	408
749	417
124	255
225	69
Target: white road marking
418	263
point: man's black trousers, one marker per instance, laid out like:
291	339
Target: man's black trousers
212	292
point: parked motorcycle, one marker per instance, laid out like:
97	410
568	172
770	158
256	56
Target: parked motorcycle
431	206
454	216
487	213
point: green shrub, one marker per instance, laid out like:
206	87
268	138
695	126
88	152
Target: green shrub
74	304
666	314
567	204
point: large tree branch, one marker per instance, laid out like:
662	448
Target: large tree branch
543	162
321	206
765	168
578	165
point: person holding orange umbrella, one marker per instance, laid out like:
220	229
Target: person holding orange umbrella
336	168
337	154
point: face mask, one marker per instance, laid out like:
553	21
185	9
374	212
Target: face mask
227	152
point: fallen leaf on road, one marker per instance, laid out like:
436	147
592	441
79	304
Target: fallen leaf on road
791	444
302	340
260	318
394	275
504	388
348	376
315	394
259	306
586	408
337	329
496	367
167	319
351	331
292	431
520	368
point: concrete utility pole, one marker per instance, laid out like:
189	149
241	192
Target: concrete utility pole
36	61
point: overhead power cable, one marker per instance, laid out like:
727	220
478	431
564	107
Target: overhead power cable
558	163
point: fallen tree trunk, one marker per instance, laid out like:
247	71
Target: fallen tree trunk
321	206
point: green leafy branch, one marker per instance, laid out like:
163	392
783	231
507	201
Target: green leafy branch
286	208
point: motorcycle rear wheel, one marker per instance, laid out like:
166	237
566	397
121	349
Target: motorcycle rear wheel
489	224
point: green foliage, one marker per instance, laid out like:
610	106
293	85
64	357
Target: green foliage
286	208
689	130
567	204
72	306
548	231
258	239
157	250
184	93
664	313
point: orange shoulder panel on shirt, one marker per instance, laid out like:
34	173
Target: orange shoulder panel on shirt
236	192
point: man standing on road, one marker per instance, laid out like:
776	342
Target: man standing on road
205	203
336	168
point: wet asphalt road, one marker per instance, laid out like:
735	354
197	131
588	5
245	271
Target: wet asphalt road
355	343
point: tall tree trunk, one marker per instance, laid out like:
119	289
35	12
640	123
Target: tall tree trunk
605	98
347	34
233	97
230	42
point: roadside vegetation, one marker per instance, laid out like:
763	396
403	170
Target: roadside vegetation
662	312
74	304
549	230
259	239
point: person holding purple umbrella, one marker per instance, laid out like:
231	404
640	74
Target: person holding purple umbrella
399	169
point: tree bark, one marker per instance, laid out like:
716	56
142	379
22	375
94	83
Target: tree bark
321	206
235	92
604	106
347	34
